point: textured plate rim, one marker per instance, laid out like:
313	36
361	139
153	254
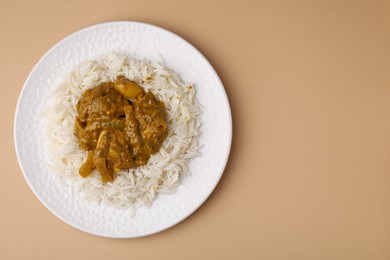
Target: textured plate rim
53	49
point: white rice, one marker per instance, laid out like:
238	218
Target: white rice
164	170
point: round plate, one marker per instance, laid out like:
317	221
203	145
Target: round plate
140	41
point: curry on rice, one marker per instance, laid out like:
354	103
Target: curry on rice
120	126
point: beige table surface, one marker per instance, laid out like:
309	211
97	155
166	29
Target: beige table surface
309	171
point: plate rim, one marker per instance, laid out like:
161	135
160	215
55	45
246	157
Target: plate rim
57	45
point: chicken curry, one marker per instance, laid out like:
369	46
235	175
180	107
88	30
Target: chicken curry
120	125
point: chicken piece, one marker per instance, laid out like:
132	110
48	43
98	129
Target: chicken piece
151	116
112	154
134	137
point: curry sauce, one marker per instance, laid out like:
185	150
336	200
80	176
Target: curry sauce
120	125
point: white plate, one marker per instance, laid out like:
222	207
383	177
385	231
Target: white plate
140	41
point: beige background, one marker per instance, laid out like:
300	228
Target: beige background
309	171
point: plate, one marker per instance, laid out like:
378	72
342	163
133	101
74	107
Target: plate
138	40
